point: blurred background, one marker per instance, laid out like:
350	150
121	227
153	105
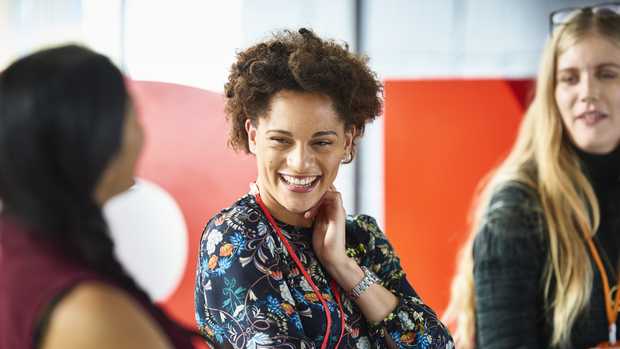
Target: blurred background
457	74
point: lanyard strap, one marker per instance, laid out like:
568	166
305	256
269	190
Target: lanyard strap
308	278
611	310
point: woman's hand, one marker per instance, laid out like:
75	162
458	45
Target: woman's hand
328	239
328	242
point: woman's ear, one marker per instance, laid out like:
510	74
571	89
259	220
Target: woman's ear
349	139
250	129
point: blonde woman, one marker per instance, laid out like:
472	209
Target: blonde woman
541	265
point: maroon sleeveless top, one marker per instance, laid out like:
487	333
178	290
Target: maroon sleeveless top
33	275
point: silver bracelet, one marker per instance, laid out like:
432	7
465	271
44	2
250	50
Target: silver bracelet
368	279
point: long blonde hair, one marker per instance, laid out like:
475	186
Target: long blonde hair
543	159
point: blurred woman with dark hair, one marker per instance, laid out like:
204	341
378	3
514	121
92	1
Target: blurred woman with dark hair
69	141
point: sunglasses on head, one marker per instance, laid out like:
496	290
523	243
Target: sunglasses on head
563	16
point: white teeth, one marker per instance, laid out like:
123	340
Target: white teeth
304	181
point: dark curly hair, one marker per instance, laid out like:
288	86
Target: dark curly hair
300	61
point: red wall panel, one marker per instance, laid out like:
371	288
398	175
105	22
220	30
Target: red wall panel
441	138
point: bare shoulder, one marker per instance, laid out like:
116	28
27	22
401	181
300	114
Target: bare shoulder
96	315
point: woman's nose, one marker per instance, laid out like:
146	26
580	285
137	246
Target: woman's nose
300	158
589	89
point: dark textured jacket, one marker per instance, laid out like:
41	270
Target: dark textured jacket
510	253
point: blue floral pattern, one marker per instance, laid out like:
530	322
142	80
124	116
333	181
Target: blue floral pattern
249	293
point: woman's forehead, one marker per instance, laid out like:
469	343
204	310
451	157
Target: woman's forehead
591	50
302	110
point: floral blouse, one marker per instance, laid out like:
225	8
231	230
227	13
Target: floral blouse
250	294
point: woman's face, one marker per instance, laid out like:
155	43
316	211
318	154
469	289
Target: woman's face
587	93
118	176
299	145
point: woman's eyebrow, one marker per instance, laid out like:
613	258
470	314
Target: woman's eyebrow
280	131
608	65
598	66
324	133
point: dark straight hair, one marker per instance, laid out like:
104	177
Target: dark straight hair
62	112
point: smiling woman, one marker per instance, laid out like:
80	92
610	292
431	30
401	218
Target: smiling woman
284	266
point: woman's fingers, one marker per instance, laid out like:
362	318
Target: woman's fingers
330	200
312	212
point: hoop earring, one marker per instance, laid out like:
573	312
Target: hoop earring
347	158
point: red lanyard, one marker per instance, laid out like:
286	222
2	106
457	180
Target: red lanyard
612	311
292	253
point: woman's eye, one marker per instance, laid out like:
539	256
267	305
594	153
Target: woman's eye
568	79
607	74
323	143
280	140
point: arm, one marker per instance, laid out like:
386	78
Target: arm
242	299
95	315
392	307
376	302
411	323
329	242
508	267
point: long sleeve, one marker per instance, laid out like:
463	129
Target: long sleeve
508	268
412	324
241	298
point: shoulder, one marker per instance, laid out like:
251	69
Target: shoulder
98	315
229	240
363	234
512	225
362	225
514	195
513	205
241	217
241	212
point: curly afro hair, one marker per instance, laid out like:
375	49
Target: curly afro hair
300	61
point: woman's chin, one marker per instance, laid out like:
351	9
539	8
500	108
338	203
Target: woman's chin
297	209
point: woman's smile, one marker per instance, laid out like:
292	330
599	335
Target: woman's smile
300	184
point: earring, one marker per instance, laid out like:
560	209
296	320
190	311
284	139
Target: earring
347	158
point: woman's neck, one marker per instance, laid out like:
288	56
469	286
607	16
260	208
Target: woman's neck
602	169
280	212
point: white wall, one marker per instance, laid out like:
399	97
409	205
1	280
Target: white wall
5	34
31	24
189	42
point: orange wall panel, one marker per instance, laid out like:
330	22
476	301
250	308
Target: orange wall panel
441	138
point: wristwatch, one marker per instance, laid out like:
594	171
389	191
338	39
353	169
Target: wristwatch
368	279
